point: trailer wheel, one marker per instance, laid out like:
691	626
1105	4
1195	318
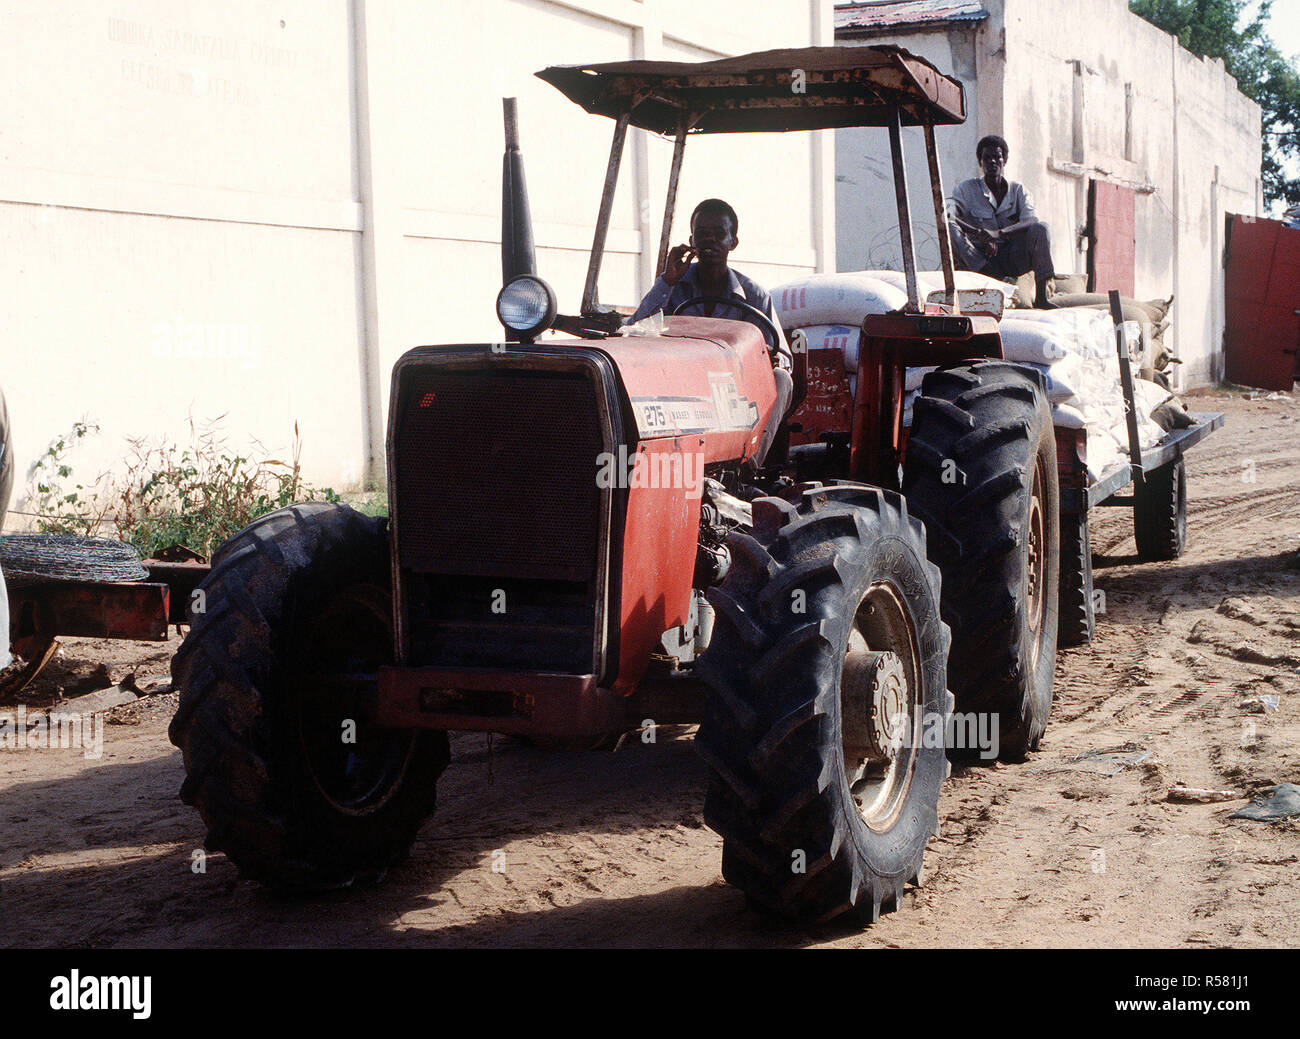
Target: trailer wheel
293	782
981	472
1160	512
825	728
1078	614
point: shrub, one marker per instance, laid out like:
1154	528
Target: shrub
166	495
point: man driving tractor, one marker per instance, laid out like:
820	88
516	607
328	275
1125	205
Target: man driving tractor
714	234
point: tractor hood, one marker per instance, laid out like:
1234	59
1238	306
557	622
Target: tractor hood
702	377
707	378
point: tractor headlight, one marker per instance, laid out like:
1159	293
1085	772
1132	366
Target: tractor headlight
526	305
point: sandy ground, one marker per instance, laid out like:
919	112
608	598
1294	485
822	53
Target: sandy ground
600	849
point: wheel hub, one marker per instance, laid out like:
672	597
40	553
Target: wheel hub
874	687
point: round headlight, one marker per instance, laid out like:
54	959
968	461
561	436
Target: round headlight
526	305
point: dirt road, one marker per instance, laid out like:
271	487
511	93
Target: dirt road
599	849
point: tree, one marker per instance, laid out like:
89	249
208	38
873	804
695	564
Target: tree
1262	72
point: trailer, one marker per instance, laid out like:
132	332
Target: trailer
1152	482
46	604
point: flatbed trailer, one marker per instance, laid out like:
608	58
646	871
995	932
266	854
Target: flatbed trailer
1158	496
1158	499
1106	490
42	610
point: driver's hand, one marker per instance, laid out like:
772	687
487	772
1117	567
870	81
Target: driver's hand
679	261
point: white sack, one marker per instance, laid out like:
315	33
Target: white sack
1149	395
1066	378
1067	416
1034	342
834	299
836	337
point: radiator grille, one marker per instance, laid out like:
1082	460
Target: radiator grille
496	474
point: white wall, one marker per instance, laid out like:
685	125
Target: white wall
250	209
1195	151
1193	146
177	202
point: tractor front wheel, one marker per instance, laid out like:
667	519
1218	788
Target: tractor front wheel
277	678
826	724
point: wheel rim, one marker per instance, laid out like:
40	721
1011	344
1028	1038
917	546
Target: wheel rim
347	643
1035	572
880	699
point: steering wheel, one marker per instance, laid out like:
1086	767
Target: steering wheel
751	312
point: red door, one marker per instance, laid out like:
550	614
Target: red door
1113	249
1261	289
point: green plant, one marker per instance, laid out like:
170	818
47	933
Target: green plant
166	495
62	509
368	503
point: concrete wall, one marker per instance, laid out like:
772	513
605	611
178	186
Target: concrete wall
1104	95
249	210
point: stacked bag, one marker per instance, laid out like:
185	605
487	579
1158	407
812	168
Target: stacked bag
1074	348
829	308
1151	315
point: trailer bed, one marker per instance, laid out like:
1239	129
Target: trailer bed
1175	443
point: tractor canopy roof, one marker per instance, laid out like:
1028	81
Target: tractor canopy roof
802	88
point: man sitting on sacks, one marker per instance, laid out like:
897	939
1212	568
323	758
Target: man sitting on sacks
714	228
993	226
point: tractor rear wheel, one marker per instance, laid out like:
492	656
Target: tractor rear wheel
295	785
981	472
825	728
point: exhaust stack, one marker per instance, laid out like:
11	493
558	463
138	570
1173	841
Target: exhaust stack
517	255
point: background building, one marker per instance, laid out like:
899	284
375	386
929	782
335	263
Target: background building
249	209
1096	104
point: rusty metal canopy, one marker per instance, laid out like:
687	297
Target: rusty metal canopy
802	88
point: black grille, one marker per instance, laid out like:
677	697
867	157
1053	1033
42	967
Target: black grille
499	517
496	474
535	625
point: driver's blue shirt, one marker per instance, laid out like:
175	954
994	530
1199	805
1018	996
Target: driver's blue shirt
667	298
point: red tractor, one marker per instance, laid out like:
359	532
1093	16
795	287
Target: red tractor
587	532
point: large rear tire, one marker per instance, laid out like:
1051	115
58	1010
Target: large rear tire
981	472
294	784
827	664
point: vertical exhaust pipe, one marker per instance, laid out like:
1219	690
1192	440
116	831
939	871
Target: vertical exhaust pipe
517	255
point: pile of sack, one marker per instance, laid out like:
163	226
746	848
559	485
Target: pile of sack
829	308
1151	316
1074	348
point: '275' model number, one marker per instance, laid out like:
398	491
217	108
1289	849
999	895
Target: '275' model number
653	416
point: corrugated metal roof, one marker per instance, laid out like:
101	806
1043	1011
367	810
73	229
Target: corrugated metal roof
896	14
